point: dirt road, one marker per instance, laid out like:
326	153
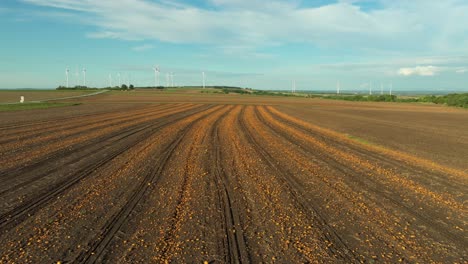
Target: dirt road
187	183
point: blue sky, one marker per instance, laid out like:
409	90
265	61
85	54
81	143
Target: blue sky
418	44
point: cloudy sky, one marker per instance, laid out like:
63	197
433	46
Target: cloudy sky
417	44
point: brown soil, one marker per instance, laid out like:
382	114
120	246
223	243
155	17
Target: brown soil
432	132
223	183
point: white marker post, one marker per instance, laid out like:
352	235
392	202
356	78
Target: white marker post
21	99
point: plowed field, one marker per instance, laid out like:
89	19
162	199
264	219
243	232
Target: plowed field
188	183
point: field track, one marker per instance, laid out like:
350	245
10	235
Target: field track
187	183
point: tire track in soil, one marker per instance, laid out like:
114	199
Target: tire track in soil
392	174
77	154
19	150
275	228
337	247
58	148
25	176
418	171
37	133
187	212
188	188
98	248
381	199
260	170
343	201
375	170
32	124
27	208
88	204
237	250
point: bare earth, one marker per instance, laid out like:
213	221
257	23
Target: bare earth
159	177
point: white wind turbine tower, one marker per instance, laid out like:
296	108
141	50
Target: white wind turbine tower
293	88
391	87
66	74
172	79
370	88
203	74
167	79
338	87
381	88
77	77
110	80
84	77
156	76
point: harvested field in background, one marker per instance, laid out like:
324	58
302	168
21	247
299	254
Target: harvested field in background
13	96
222	180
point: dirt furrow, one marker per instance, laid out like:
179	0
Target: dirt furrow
29	123
112	184
432	184
15	146
406	218
170	224
235	241
437	177
99	246
38	195
275	229
203	183
44	150
331	238
374	169
89	146
46	132
78	165
331	188
451	173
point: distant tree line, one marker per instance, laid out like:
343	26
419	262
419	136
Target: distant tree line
364	98
459	100
152	87
123	87
78	87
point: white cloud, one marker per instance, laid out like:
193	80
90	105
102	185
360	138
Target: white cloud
143	47
462	70
398	25
257	5
419	70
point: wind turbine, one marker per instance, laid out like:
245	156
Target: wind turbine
338	87
110	80
167	79
391	87
203	74
156	75
370	88
381	88
66	74
120	81
172	79
84	77
293	88
77	77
